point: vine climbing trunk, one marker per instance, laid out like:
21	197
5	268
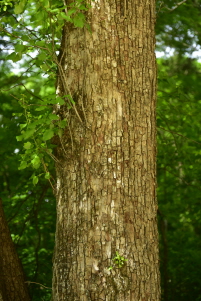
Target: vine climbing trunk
106	179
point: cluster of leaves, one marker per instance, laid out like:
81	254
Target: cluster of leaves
36	40
30	210
54	14
37	131
118	261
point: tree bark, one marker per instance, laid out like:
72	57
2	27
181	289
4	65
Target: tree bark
106	178
12	280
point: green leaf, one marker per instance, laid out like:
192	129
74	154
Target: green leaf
62	16
22	125
19	48
36	162
19	8
28	133
48	135
41	108
42	56
51	100
47	175
79	20
40	43
88	27
28	145
23	165
17	58
70	98
60	132
60	100
17	114
62	124
25	38
45	67
33	125
71	11
35	180
11	56
53	117
19	138
82	7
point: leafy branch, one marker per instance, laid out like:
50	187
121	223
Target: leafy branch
41	121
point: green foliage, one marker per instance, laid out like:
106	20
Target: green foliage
39	127
178	26
179	95
179	161
30	210
118	261
40	124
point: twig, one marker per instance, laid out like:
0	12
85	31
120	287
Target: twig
178	134
178	4
18	37
170	9
39	284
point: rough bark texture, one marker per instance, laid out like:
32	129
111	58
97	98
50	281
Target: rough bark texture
12	281
106	178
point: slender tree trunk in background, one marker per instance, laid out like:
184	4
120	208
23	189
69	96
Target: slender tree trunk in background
106	201
12	281
164	255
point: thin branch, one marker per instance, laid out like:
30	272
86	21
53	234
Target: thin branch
172	132
181	178
178	4
169	9
26	90
36	46
175	140
21	76
33	32
49	288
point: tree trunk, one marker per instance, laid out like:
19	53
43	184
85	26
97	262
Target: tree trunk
12	281
106	179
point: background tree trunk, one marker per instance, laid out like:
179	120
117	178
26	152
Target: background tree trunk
12	281
106	201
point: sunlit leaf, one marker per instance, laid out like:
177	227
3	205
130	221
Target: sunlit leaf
48	135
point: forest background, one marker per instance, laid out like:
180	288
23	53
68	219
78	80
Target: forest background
27	197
